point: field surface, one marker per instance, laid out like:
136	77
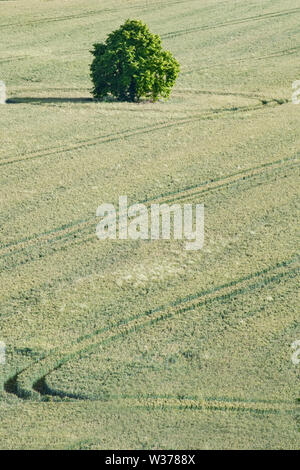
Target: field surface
142	344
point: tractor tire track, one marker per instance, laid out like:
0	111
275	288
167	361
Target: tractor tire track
12	59
57	149
26	384
86	14
67	231
217	113
275	54
152	401
35	293
282	53
206	405
83	228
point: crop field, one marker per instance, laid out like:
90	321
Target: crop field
140	344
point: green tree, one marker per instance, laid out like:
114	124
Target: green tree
132	64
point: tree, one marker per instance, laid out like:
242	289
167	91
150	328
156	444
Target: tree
132	64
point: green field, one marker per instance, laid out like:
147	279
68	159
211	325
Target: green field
142	344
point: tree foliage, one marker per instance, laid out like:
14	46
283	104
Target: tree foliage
132	64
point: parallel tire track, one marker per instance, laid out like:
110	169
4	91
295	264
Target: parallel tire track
52	285
276	54
86	14
207	404
217	113
75	229
171	34
228	404
10	59
238	21
26	384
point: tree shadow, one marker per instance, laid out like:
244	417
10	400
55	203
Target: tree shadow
54	100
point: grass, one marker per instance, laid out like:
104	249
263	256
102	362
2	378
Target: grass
131	344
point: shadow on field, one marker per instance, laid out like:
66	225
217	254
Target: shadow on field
36	100
55	100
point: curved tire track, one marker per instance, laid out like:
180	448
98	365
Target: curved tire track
26	384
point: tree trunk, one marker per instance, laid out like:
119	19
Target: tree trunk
132	90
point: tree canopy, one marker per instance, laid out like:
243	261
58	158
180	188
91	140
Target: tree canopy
132	64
